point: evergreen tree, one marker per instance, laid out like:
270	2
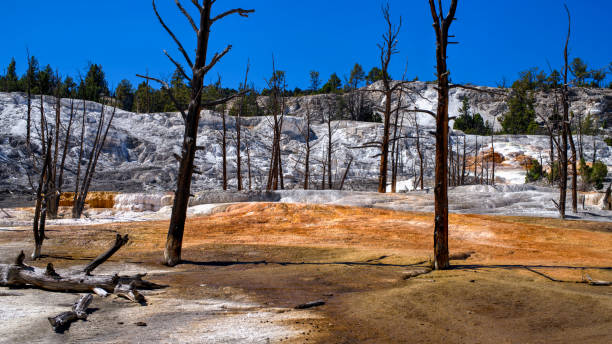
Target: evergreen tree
143	96
95	85
10	80
374	75
580	71
521	116
469	123
46	81
125	94
314	81
357	77
333	85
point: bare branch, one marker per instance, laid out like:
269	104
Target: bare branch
224	100
197	4
241	12
178	66
193	25
213	61
178	43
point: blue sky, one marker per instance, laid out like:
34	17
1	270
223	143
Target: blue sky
497	38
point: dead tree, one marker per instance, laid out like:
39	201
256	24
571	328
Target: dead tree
238	131
276	108
565	125
387	49
306	134
441	26
224	148
199	69
80	194
29	90
566	121
332	108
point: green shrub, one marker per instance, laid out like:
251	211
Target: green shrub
535	173
608	141
594	175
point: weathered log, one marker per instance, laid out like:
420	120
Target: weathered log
310	304
63	320
19	275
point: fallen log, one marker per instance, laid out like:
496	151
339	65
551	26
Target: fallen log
18	275
63	320
310	304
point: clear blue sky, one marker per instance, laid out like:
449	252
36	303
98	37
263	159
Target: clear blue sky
498	38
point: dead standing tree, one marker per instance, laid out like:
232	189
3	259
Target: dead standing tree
199	69
276	106
387	49
238	130
80	194
441	25
566	121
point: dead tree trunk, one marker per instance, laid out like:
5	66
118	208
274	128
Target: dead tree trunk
441	26
565	101
387	49
199	69
98	145
419	151
348	167
238	132
224	149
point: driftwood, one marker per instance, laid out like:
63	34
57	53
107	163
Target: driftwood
310	304
63	320
18	275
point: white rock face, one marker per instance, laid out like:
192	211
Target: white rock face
142	201
138	155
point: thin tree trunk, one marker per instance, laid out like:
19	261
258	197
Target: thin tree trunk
441	27
224	150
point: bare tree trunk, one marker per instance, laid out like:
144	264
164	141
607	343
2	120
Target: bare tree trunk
329	150
387	49
199	69
238	133
346	171
463	164
98	145
29	86
78	175
224	150
441	27
493	158
249	163
419	152
565	100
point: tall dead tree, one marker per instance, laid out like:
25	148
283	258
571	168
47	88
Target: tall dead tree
276	108
199	69
441	25
387	48
238	130
29	91
565	125
566	120
306	134
80	194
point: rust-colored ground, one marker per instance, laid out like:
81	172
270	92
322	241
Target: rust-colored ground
354	258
